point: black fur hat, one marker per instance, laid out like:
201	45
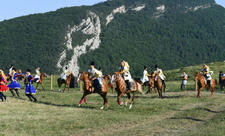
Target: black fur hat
28	70
92	63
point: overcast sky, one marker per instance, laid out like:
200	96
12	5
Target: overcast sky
15	8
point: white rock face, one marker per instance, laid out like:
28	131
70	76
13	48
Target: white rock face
160	10
139	8
90	26
193	9
110	17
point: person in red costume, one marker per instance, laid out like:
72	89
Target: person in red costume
3	87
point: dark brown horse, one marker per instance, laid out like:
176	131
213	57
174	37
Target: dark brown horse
89	89
42	77
121	89
201	84
66	82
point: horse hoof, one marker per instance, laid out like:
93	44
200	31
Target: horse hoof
126	103
130	106
79	105
121	104
102	107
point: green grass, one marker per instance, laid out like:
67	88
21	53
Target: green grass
56	113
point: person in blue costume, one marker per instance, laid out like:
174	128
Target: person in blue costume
14	85
29	91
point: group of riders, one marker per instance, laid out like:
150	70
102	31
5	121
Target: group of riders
13	78
95	75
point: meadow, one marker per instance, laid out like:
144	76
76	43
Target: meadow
58	114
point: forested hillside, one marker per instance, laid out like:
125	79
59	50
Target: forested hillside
171	34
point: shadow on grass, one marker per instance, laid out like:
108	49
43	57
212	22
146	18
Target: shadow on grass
189	118
66	105
206	109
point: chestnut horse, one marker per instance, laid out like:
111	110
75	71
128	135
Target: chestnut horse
66	82
200	82
89	89
121	89
42	77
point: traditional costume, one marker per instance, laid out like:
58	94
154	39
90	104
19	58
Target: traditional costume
37	76
207	74
14	85
145	76
65	74
159	72
3	87
96	76
29	91
124	70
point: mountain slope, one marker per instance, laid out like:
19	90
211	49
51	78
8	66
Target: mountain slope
143	32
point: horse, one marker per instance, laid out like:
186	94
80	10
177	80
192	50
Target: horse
66	82
42	77
156	83
150	83
121	89
201	84
89	89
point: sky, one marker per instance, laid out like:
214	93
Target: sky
14	8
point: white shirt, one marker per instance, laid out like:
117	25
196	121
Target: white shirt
145	77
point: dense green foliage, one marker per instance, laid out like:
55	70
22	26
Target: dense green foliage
179	37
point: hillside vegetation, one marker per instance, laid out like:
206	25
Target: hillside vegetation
171	34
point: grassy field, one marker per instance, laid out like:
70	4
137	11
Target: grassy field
56	113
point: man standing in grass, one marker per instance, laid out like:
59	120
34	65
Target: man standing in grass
184	78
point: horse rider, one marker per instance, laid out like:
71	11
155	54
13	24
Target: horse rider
96	76
159	72
184	78
145	76
124	71
38	74
66	73
207	74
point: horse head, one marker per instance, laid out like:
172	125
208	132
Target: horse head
197	76
116	76
82	76
107	77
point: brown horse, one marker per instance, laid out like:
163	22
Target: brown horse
66	82
89	89
200	82
42	77
121	89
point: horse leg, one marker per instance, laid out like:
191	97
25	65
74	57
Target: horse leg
118	98
159	92
105	101
68	87
83	98
132	101
212	90
42	86
198	95
64	88
128	99
37	86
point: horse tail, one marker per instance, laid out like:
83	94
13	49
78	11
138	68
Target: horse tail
139	88
59	82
